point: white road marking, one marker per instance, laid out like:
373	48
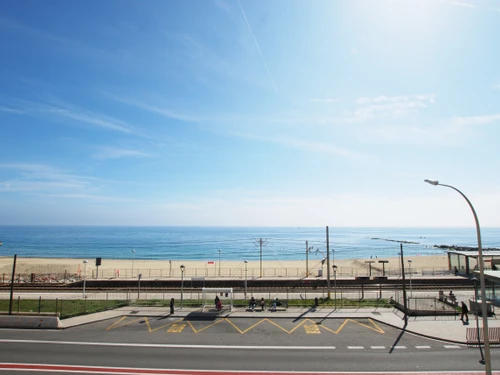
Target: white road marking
422	347
356	347
243	347
378	347
452	347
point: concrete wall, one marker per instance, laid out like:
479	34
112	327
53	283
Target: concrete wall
30	321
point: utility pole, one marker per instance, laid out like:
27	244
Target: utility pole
261	243
327	263
12	284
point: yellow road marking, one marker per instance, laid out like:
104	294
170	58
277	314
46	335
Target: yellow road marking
312	329
204	328
176	328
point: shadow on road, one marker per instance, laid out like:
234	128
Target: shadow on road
398	338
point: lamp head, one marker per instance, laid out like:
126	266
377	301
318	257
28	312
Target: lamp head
182	267
409	261
475	281
85	261
334	267
432	182
133	250
246	261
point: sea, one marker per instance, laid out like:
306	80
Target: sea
232	243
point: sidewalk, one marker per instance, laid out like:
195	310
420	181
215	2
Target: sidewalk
446	328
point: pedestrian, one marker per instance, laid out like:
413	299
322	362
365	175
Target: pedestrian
262	303
172	302
217	302
465	313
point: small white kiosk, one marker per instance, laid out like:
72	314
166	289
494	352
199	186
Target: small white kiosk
209	291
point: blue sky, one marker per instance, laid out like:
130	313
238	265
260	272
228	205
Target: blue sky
249	113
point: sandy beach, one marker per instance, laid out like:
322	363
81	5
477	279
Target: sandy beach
164	268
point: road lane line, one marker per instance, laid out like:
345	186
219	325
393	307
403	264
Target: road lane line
173	346
355	347
423	347
144	371
378	347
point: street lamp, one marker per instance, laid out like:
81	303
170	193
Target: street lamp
182	284
475	281
487	358
84	276
246	276
409	265
308	250
335	284
219	261
133	260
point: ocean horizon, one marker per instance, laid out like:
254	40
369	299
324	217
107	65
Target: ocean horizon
234	243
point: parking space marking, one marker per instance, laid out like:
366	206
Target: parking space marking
312	329
177	328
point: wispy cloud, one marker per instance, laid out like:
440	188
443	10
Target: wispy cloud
392	99
388	106
58	108
10	110
305	145
475	120
460	4
37	177
258	47
324	100
118	153
48	181
162	110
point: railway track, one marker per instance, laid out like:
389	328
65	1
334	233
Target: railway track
237	285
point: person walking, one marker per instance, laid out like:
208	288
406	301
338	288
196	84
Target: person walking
172	303
465	313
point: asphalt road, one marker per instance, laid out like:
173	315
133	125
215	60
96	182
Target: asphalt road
239	344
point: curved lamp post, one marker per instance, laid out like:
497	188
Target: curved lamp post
182	283
484	312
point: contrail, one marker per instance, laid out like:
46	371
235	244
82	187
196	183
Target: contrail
257	45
